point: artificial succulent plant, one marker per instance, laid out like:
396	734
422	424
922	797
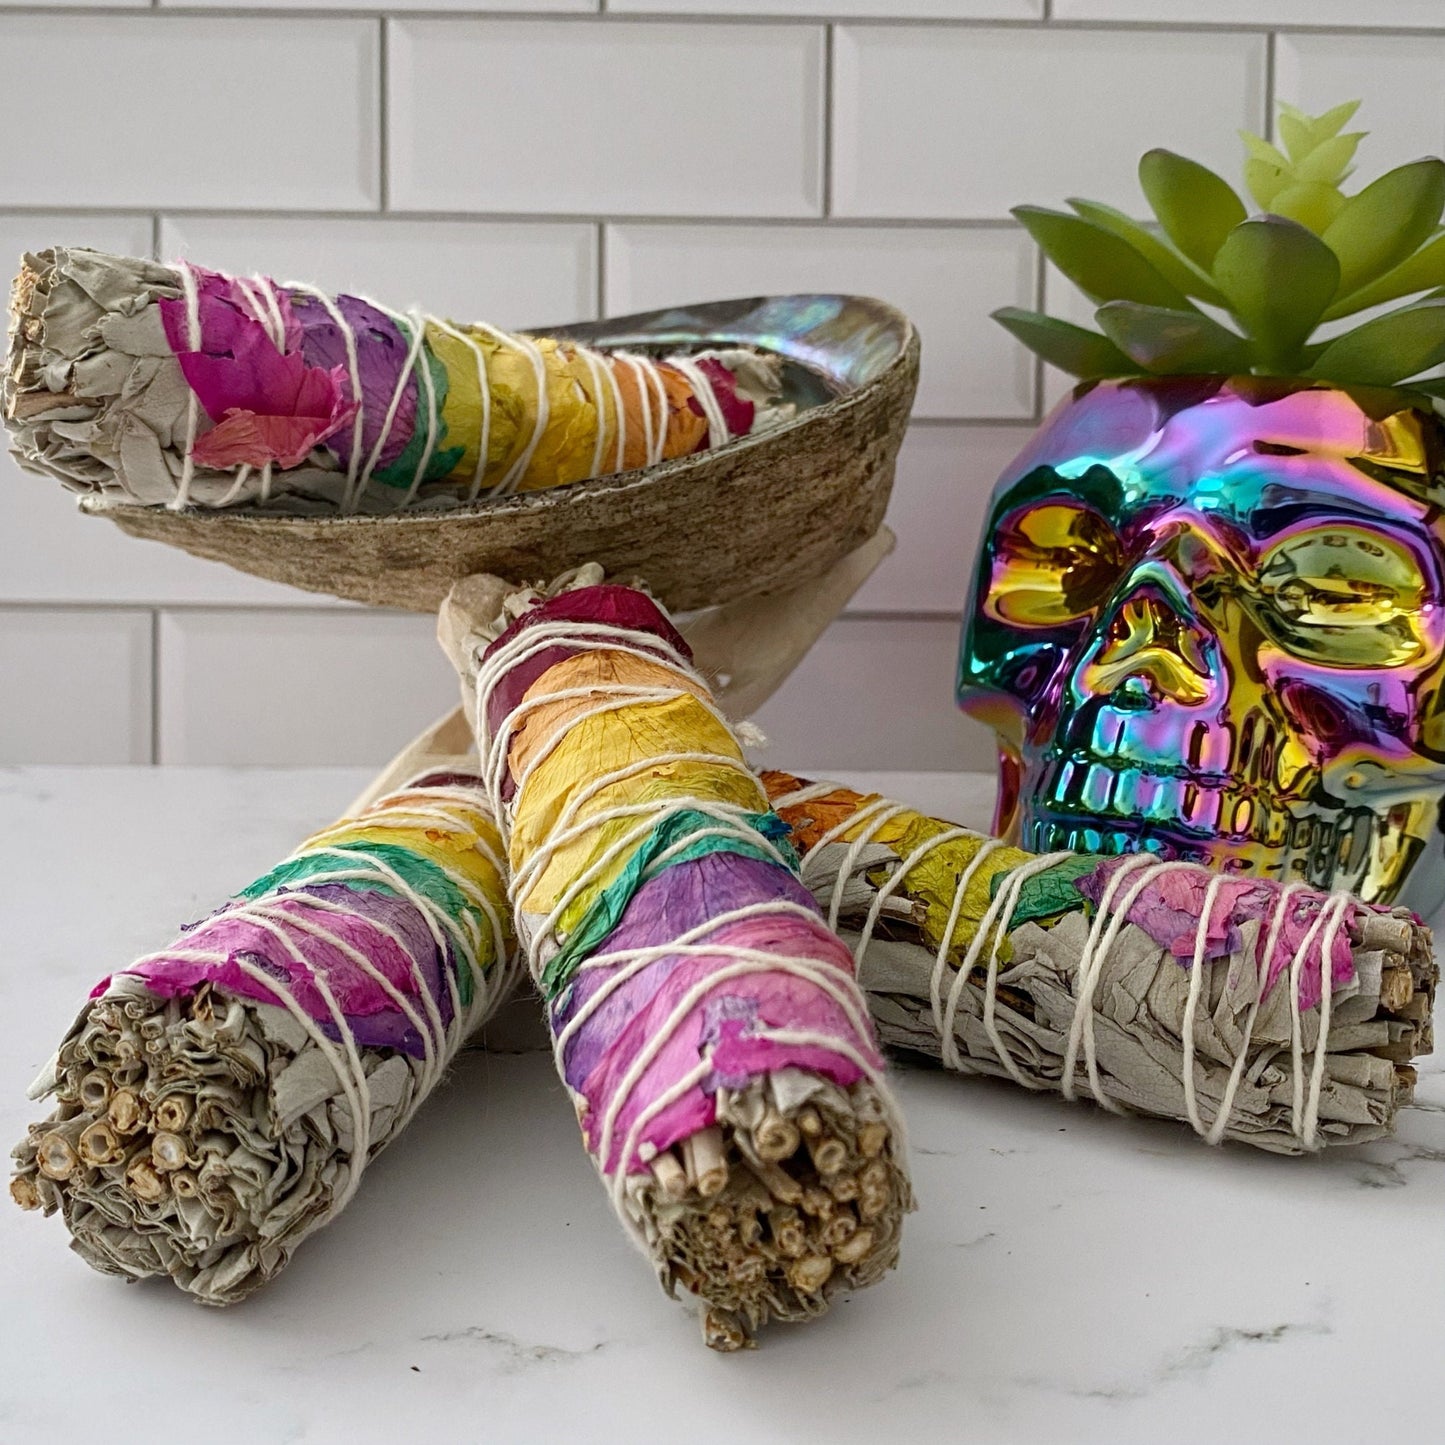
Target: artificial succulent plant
1210	288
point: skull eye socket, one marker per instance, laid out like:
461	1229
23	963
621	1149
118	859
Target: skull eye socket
1053	562
1344	595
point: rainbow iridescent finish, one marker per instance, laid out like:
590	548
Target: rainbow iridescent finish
1207	622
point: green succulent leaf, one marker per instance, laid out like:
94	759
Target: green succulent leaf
1434	387
1389	349
1261	150
1197	208
1329	161
1074	349
1421	272
1312	203
1158	253
1322	127
1263	182
1380	226
1173	342
1277	277
1294	131
1102	265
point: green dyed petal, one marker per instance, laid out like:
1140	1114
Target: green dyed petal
1050	893
608	906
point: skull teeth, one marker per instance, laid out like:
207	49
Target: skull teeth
1087	806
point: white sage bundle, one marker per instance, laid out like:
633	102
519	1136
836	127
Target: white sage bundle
217	1102
1270	1014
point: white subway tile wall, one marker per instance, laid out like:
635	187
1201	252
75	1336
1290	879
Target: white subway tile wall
566	158
94	667
296	686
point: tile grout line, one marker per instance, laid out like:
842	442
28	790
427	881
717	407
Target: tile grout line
827	129
155	739
284	15
1271	55
383	114
1040	301
600	300
522	218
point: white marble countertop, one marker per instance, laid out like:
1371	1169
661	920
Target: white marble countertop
1070	1276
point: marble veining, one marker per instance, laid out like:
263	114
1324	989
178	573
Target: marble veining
1070	1277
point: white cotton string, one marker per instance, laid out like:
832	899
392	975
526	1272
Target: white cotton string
403	376
262	300
1262	962
441	926
546	931
810	794
243	475
619	411
261	294
581	637
644	401
895	880
854	852
617	697
654	376
659	1038
435	1034
1101	940
999	914
192	295
1305	1105
484	386
278	916
433	420
629	962
563	831
350	493
533	354
1343	902
350	1071
718	432
1191	1004
595	368
949	1044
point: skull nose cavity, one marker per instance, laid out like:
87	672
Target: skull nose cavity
1135	692
1149	651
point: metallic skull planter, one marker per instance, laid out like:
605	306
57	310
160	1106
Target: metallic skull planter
1207	622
